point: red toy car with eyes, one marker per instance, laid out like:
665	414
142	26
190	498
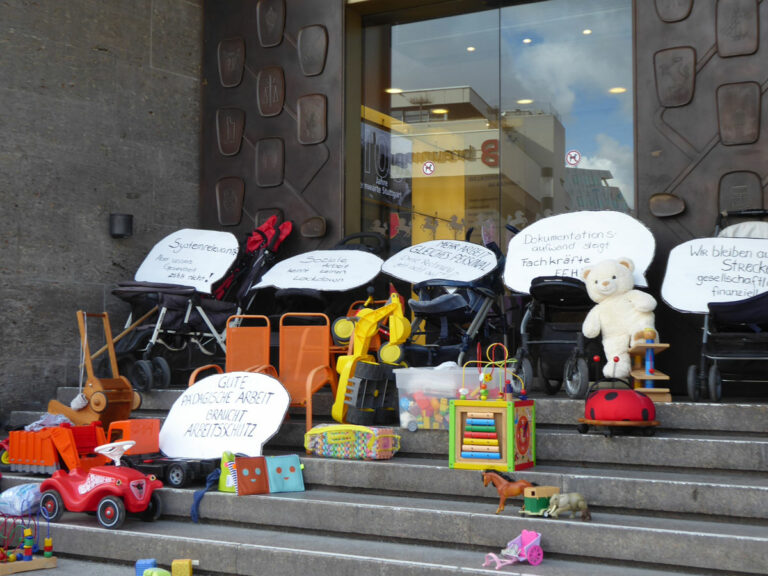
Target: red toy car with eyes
110	491
618	409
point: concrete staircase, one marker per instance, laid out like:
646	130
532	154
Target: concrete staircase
693	499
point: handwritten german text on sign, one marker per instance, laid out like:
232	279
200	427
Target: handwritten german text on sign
324	270
235	411
563	245
189	257
441	260
715	270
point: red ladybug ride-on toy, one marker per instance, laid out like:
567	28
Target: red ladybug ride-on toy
110	491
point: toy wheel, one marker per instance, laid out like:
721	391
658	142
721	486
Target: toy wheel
582	428
161	372
111	512
5	459
693	383
141	375
154	510
51	505
177	475
534	555
341	330
715	384
136	402
391	354
576	377
99	402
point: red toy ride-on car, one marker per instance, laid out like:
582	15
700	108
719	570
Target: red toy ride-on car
110	491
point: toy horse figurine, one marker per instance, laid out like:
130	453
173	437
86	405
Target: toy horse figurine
507	487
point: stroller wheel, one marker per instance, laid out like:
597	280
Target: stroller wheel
715	384
693	383
576	377
524	370
161	372
141	375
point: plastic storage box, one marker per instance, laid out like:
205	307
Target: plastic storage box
424	393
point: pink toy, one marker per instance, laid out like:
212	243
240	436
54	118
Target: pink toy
524	547
110	491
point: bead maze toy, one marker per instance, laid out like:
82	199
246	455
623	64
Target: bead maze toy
20	535
644	372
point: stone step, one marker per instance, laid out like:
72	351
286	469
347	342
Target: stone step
228	549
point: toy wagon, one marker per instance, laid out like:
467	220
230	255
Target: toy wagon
527	546
536	500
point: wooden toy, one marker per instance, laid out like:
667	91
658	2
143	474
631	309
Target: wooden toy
507	487
644	371
536	500
492	434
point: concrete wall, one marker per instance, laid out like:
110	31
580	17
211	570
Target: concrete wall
99	113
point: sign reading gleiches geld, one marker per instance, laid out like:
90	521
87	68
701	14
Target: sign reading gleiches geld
563	245
715	270
441	260
236	412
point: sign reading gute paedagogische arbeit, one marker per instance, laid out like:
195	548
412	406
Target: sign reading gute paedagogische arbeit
235	411
189	257
441	260
715	270
565	244
324	270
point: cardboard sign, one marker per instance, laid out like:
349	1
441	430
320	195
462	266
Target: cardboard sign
441	260
715	270
236	412
565	244
189	257
324	270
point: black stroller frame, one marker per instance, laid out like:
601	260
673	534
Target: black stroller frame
551	337
732	333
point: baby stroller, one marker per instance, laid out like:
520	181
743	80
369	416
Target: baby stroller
735	334
551	338
176	322
451	314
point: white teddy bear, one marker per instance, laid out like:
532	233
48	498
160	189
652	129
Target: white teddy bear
621	314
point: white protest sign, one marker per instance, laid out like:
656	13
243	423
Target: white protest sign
715	270
563	245
441	260
190	257
324	270
234	411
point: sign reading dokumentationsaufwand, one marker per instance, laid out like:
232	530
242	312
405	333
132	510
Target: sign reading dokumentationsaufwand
563	245
189	257
324	270
235	411
441	260
715	270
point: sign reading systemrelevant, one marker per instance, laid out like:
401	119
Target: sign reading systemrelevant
324	270
441	260
235	411
189	257
565	244
715	270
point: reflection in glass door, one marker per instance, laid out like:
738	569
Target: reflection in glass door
496	117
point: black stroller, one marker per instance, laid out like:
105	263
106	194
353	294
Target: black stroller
177	325
551	337
735	334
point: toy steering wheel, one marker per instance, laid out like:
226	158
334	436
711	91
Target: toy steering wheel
114	450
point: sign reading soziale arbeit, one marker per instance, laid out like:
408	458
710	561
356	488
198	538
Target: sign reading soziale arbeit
715	270
235	411
565	244
330	270
190	257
